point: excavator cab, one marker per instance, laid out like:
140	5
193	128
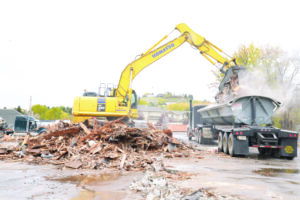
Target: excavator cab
133	100
111	106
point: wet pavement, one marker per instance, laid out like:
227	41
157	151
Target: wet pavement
251	177
27	181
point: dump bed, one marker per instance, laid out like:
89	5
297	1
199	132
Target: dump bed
245	110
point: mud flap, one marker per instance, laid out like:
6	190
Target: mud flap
241	147
289	147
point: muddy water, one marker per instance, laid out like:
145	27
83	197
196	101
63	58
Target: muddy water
24	181
253	177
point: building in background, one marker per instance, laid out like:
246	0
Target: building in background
162	118
9	115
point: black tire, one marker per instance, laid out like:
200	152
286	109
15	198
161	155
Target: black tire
289	158
196	136
220	142
231	143
276	153
225	143
200	138
265	152
188	134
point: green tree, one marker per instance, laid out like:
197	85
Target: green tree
55	113
280	72
168	95
142	101
20	110
66	109
161	102
40	111
248	55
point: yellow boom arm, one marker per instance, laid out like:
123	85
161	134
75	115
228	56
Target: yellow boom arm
211	52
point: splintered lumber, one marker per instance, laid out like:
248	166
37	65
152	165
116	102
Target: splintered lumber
67	131
110	145
25	140
85	129
123	161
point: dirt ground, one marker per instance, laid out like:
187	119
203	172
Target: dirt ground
253	177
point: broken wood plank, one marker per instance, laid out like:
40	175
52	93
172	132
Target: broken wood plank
74	164
85	129
68	131
25	139
123	160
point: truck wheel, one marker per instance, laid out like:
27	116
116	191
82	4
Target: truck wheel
225	143
196	136
220	142
188	134
200	137
231	143
276	153
264	151
289	158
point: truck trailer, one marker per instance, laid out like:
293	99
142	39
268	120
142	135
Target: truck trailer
196	124
246	122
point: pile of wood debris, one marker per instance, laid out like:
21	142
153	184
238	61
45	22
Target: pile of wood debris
101	145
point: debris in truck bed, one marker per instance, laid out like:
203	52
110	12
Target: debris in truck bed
110	145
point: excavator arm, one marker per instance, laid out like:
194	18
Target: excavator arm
123	100
211	52
134	68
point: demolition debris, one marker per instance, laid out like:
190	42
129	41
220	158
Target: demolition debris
96	146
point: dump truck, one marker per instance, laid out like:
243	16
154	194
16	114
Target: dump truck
245	122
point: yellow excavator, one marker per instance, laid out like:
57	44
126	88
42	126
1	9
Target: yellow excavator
122	101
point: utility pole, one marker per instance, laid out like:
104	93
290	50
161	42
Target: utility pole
28	114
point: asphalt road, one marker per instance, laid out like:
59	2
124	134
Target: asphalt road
251	177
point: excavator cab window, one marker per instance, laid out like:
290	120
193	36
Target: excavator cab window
133	100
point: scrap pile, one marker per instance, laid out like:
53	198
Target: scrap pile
108	145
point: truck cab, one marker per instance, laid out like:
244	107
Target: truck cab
21	123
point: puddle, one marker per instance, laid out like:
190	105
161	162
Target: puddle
95	186
87	194
293	182
90	180
171	171
275	171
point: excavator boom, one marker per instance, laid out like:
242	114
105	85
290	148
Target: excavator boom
123	99
134	68
211	52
